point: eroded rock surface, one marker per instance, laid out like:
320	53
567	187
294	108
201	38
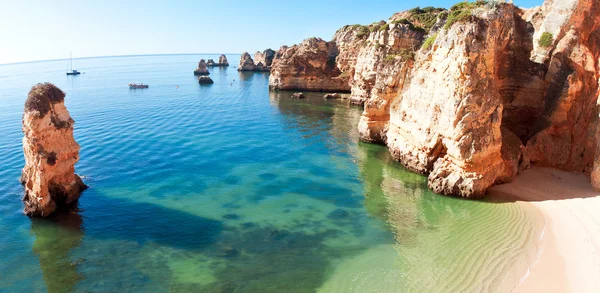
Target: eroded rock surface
223	60
50	153
471	98
248	64
265	57
309	66
201	70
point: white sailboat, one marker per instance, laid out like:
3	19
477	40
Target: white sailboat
72	71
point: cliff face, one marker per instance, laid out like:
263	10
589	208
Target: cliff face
50	153
471	95
309	66
486	99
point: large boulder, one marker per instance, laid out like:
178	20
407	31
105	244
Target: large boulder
50	153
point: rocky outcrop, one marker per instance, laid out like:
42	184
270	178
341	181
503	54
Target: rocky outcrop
204	79
50	153
223	60
266	57
482	101
468	96
248	64
201	70
309	66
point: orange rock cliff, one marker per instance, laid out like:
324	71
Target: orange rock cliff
50	153
469	96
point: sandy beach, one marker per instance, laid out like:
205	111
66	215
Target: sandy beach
569	251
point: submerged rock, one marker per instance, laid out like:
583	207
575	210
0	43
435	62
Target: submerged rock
332	96
205	80
50	153
201	70
298	96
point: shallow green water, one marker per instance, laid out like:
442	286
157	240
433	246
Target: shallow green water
230	188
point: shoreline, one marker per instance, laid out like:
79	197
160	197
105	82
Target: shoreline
569	249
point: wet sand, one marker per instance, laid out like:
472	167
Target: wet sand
569	251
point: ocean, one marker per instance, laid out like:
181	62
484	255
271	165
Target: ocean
232	188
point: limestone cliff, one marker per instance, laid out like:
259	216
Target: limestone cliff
468	96
483	99
309	66
50	153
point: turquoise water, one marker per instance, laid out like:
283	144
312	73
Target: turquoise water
232	188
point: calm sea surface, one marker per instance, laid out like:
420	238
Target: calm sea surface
232	188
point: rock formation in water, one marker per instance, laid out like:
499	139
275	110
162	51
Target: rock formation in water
205	79
248	64
223	60
309	66
265	57
201	70
468	96
50	153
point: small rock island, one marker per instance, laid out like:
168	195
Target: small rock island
50	153
262	63
222	62
201	70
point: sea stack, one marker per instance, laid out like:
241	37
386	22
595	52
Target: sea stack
50	153
247	64
265	57
201	70
223	60
210	63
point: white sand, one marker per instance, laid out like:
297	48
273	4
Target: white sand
569	259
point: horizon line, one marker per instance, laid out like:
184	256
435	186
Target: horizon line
116	56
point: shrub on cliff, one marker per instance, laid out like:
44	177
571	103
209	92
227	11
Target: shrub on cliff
362	31
462	11
429	42
546	40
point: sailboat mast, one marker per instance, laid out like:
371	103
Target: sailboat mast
71	59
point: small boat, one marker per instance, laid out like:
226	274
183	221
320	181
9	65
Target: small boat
72	71
134	85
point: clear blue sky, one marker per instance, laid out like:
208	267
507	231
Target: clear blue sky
48	29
